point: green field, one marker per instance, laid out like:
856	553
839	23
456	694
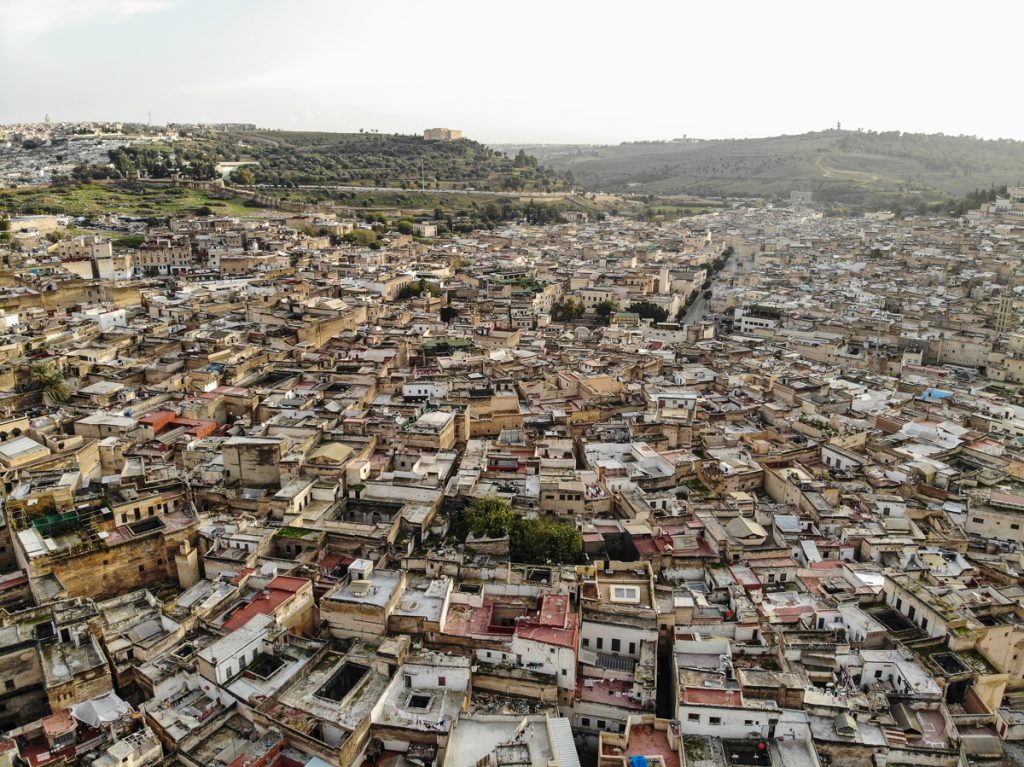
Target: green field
126	198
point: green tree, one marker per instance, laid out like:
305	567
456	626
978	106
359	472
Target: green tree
361	237
414	289
648	310
243	176
544	540
540	540
567	311
604	310
48	379
492	517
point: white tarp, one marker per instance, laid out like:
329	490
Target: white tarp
101	711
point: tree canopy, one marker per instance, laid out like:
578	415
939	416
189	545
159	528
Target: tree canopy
648	310
568	310
540	540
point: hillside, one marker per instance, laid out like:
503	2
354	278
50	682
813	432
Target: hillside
841	167
370	159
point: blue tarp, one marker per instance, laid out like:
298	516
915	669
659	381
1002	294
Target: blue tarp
638	761
935	394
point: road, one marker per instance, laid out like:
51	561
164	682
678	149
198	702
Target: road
700	309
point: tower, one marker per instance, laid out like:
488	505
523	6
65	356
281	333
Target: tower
1004	317
186	563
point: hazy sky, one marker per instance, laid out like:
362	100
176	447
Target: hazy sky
520	71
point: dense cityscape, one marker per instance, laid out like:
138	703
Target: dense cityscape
457	463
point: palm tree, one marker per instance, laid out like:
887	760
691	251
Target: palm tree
50	380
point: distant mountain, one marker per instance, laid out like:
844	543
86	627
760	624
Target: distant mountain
841	167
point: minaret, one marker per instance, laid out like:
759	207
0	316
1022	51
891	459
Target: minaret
1004	318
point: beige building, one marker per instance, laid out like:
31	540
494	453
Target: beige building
360	605
166	256
435	429
442	134
87	246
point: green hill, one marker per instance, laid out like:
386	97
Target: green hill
840	167
375	159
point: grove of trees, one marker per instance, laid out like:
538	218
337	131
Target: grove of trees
540	540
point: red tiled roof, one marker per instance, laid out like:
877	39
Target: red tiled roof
287	583
263	604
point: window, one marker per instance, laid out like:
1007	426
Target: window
441	682
924	623
586	643
626	594
601	724
878	673
693	717
564	672
600	643
585	721
632	648
748	722
899	603
141	568
616	645
1015	527
714	720
8	684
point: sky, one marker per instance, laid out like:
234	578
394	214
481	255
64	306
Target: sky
557	71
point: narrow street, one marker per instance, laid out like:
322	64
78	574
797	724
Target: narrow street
700	309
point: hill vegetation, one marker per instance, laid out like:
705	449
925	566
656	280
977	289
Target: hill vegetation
863	169
294	158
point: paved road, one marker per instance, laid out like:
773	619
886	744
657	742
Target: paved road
700	310
697	311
